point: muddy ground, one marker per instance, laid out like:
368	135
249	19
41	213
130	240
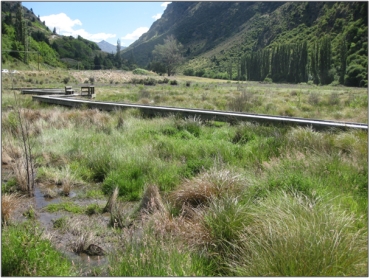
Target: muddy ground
79	229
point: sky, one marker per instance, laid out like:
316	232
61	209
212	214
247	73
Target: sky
97	21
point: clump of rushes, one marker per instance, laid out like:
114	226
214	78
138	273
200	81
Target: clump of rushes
9	202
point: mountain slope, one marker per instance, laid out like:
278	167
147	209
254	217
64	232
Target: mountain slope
45	48
215	34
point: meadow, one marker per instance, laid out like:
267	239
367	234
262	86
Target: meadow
181	196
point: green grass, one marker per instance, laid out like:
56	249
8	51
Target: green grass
24	252
153	257
248	198
65	206
292	235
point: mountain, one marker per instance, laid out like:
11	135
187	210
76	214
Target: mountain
217	34
107	47
27	40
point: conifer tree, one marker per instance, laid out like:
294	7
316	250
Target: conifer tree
314	57
118	54
343	59
325	61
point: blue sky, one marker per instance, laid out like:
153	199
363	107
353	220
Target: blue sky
97	21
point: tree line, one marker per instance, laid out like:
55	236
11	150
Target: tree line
295	63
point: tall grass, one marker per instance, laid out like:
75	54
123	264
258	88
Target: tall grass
292	235
9	203
25	252
152	257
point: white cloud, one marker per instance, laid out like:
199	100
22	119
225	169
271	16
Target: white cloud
157	16
61	22
65	26
136	34
164	4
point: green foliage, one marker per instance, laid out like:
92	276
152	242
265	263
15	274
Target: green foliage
93	209
60	223
65	206
129	180
25	253
169	54
189	72
9	186
140	71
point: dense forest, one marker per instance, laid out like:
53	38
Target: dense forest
316	42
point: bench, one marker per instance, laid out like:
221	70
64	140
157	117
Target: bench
90	90
69	90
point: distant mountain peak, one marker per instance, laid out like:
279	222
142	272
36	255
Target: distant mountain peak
108	47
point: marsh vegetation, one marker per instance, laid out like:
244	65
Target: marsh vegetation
182	196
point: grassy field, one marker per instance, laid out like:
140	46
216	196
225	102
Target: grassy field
181	197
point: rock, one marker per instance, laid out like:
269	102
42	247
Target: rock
94	250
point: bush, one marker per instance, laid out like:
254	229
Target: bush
189	72
140	71
267	80
334	99
313	99
66	80
173	82
200	72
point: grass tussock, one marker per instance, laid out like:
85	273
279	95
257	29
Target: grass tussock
292	235
199	190
151	200
9	203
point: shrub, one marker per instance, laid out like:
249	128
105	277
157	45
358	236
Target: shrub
200	72
66	80
189	72
267	80
334	99
313	99
140	71
150	81
173	82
